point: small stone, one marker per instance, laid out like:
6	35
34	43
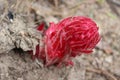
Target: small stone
109	59
19	78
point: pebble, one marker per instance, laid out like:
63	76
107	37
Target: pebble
19	78
109	59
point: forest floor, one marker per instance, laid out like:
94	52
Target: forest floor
102	64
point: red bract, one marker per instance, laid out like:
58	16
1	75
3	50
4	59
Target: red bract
69	38
41	26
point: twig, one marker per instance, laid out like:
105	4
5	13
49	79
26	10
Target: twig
113	7
5	12
99	71
116	2
17	5
39	63
56	3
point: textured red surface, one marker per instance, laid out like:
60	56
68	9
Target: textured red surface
68	38
41	26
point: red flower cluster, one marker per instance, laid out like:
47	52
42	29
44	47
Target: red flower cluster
68	38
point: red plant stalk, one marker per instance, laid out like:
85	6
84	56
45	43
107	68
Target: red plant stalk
68	38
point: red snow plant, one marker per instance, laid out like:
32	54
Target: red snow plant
68	38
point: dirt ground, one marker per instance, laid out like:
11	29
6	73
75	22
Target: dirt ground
102	64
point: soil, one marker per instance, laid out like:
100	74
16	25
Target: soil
102	64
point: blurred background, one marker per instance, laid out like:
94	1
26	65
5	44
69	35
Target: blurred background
102	64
